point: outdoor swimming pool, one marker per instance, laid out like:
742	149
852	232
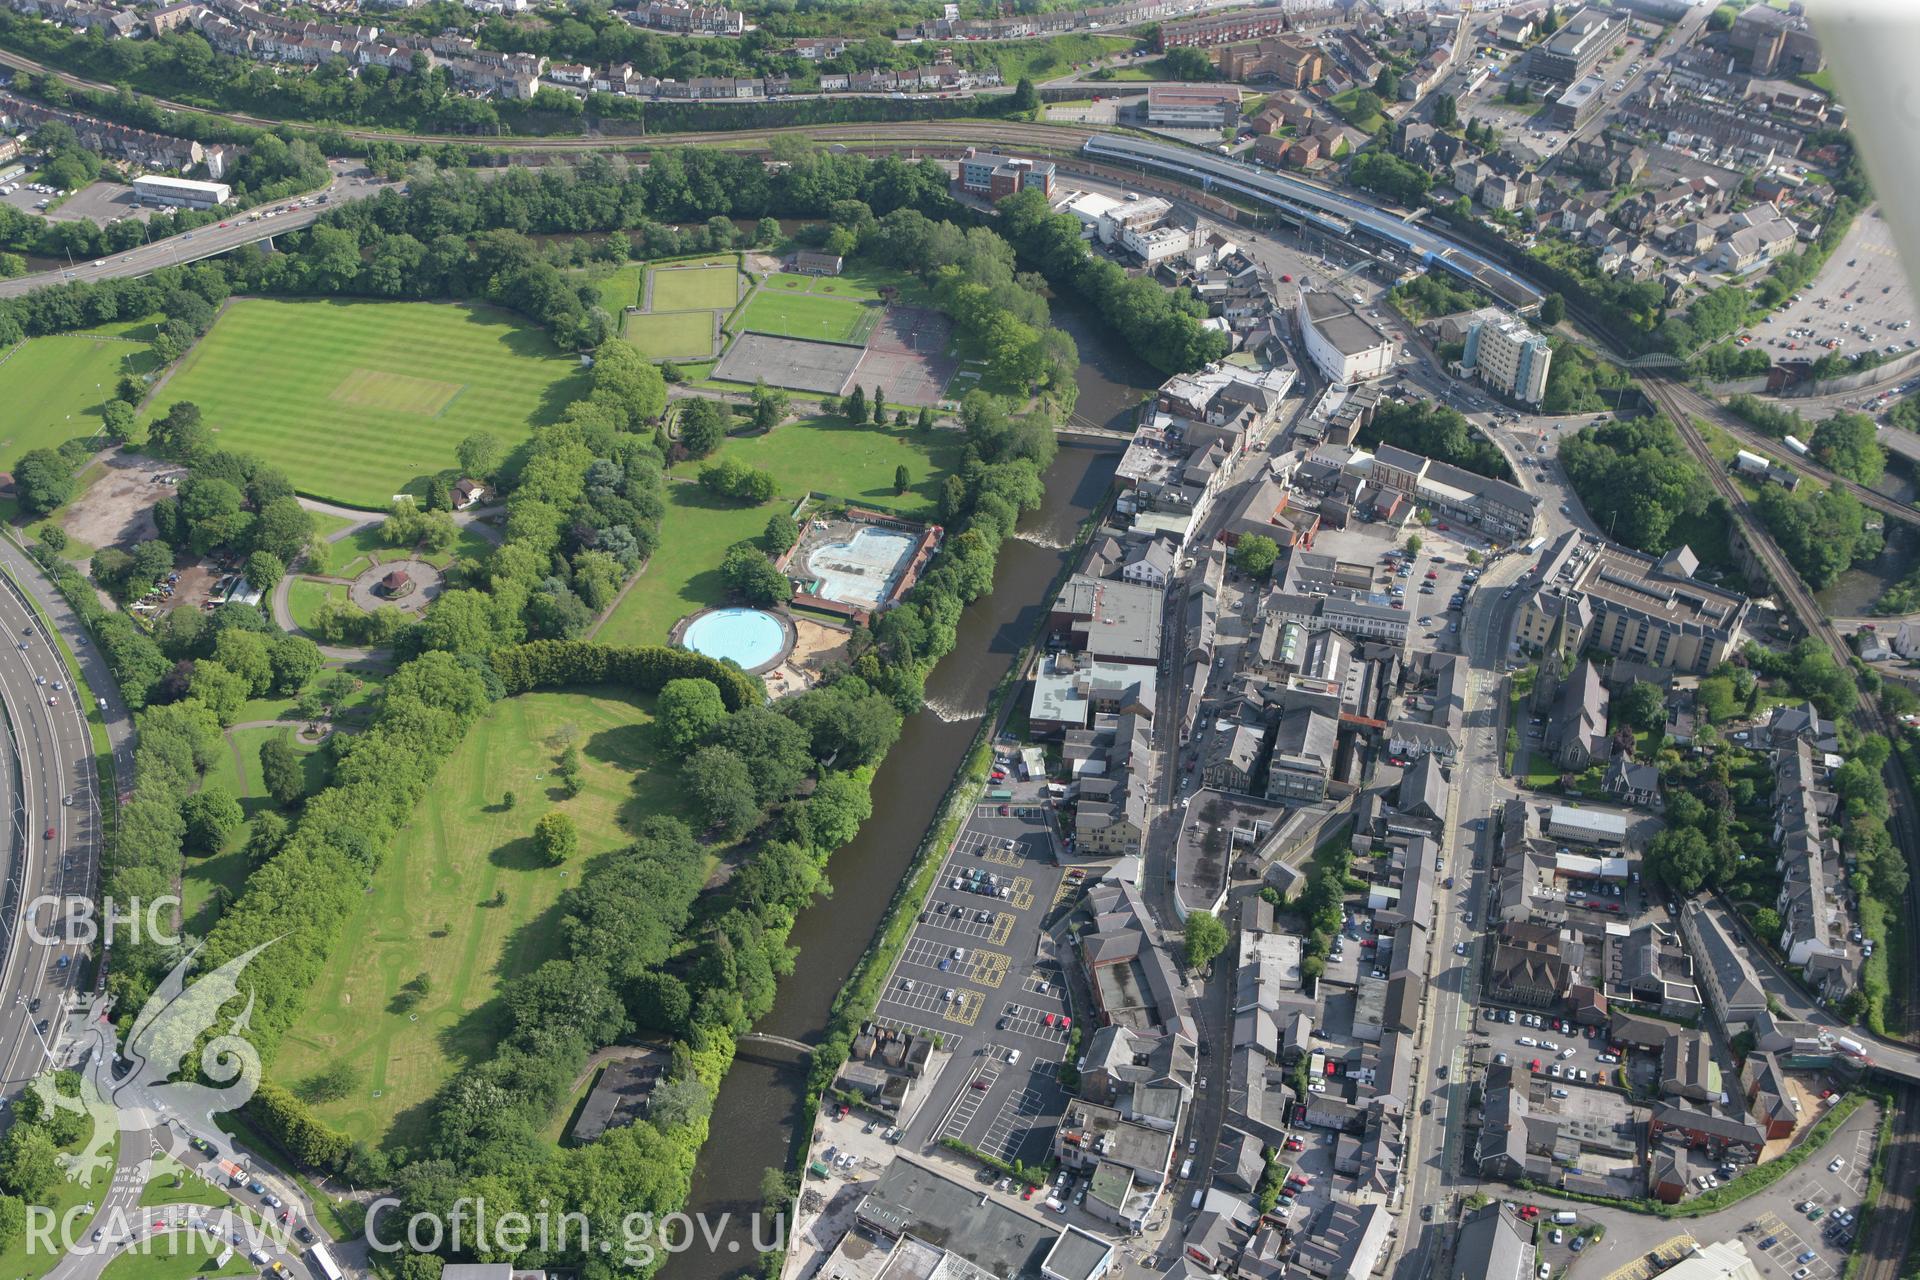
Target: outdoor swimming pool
753	638
862	569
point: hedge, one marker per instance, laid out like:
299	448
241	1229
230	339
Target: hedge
553	664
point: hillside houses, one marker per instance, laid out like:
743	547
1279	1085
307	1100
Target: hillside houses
121	143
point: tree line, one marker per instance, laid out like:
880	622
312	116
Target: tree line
1163	326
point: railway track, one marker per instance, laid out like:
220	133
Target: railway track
1883	1249
972	133
1867	714
1733	426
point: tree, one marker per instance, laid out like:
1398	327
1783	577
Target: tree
1766	923
780	533
722	789
245	654
703	425
1387	83
687	711
264	570
879	407
122	423
43	480
1642	707
1553	309
1025	96
902	480
265	836
855	406
1187	63
211	815
1414	544
555	837
1206	938
479	456
751	576
220	690
1682	859
281	771
926	418
1255	554
770	407
1721	19
1846	443
29	1162
1446	112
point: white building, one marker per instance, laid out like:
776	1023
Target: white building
1154	245
1342	345
1721	1260
1507	355
159	189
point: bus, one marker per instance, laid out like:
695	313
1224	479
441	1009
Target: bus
1000	793
323	1263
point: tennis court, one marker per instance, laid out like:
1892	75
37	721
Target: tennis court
821	367
910	356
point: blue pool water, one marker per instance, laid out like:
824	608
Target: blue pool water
751	637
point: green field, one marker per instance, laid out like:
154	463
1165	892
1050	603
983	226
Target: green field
822	455
351	556
827	455
808	315
852	284
305	597
427	910
695	288
209	883
55	387
621	289
357	401
670	335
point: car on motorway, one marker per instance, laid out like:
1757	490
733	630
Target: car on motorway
51	833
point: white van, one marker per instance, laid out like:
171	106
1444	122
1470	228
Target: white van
1186	1169
1566	1217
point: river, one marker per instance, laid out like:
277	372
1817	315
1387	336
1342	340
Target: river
760	1102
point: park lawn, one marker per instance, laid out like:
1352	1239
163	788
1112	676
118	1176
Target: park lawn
695	288
620	289
806	315
1343	103
860	280
212	881
305	597
358	401
353	555
426	910
55	387
670	335
684	572
829	456
1045	59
